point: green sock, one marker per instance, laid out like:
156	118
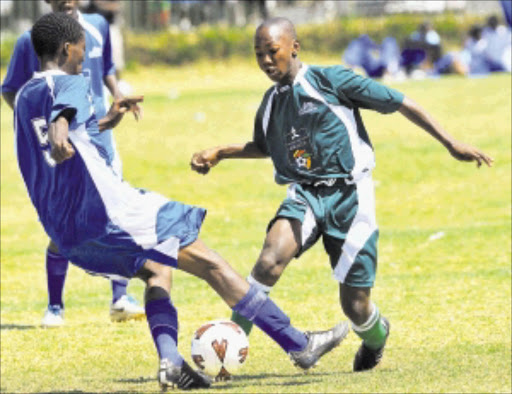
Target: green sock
242	322
374	332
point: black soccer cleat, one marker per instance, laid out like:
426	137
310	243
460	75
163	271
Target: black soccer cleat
184	377
367	358
319	343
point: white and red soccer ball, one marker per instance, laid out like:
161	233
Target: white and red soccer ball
220	348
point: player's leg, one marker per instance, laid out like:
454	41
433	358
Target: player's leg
282	243
162	319
367	323
253	304
352	248
56	271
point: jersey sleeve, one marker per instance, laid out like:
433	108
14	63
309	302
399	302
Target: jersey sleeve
72	93
258	133
22	65
364	92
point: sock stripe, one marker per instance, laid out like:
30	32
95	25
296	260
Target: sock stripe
55	255
375	315
260	286
251	303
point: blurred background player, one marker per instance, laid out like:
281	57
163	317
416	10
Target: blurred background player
111	11
309	124
377	60
421	50
107	227
100	70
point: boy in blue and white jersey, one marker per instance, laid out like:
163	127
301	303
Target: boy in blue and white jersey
309	123
105	226
99	69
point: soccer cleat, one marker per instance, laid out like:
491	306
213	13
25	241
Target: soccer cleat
319	343
367	358
184	377
126	308
53	317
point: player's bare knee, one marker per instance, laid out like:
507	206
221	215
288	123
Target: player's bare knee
268	270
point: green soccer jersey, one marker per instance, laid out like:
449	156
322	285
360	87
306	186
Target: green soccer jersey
313	130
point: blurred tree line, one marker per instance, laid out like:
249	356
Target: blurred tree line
178	31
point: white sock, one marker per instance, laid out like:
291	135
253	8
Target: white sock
260	286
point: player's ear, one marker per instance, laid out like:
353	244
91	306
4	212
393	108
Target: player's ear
65	49
296	48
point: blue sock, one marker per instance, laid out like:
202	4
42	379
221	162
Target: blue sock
118	289
162	318
56	270
258	308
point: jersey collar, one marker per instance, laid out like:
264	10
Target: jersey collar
301	73
42	74
298	77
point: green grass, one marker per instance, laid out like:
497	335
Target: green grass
448	300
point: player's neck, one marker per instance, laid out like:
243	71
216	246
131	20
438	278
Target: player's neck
49	64
294	70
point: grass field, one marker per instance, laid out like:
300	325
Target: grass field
448	297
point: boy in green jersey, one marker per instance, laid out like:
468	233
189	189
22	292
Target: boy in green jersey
309	124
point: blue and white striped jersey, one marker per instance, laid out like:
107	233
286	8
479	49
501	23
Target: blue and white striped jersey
97	220
64	195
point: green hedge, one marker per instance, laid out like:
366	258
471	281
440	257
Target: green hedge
216	42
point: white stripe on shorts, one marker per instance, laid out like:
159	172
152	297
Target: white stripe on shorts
361	229
309	222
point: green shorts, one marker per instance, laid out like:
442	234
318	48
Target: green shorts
344	215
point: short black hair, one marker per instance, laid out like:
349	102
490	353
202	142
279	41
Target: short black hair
52	30
284	24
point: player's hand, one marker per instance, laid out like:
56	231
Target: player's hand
466	152
62	151
201	162
61	148
129	104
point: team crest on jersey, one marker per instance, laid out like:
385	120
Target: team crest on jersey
300	150
302	158
307	108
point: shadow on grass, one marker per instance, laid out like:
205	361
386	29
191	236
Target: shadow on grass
288	375
291	379
244	380
140	379
16	327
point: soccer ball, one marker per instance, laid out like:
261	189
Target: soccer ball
219	348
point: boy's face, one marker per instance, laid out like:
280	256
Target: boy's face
275	49
70	7
76	54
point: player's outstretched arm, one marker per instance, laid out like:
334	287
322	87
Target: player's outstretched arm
61	148
459	150
118	109
202	161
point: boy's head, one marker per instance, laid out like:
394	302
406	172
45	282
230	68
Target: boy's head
59	38
69	7
276	47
